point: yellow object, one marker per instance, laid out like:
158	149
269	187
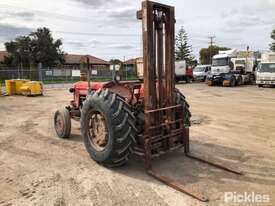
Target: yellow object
18	85
32	88
10	87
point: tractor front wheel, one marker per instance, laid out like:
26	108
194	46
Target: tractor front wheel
108	128
62	123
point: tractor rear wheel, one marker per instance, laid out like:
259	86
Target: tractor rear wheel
62	123
108	128
180	99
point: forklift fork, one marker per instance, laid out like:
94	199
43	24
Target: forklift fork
173	183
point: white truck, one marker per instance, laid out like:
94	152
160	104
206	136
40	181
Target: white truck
183	72
200	72
265	74
231	68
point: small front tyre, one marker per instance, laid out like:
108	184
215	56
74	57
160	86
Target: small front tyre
62	123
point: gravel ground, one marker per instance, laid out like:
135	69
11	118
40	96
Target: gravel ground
232	126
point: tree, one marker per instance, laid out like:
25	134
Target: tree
206	54
37	47
20	51
183	49
45	49
115	61
272	45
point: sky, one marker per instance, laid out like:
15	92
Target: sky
109	29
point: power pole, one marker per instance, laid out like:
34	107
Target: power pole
247	54
211	45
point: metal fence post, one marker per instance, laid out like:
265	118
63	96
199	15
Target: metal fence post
39	71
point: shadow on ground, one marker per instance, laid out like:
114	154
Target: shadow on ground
190	172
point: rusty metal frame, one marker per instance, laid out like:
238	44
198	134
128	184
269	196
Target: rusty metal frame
163	129
158	61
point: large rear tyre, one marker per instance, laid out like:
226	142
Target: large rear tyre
180	100
62	123
108	128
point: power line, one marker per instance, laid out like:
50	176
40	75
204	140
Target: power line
211	40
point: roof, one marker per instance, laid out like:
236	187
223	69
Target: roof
130	61
139	60
3	54
218	56
244	54
78	59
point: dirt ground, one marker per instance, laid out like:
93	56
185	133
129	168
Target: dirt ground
232	126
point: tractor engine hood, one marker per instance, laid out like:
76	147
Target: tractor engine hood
83	85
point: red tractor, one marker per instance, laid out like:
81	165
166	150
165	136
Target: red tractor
112	119
148	119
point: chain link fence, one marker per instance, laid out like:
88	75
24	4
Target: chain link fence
60	76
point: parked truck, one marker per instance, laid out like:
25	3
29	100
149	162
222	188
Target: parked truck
265	74
232	68
183	72
201	71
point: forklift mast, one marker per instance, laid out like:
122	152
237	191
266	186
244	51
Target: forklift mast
164	128
158	29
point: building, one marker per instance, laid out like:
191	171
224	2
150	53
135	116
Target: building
139	67
3	54
72	60
130	66
99	67
75	61
71	67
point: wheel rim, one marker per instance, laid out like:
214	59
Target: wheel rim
59	124
98	133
